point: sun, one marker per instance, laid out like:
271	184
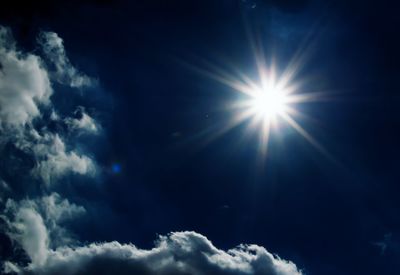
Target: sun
268	103
266	100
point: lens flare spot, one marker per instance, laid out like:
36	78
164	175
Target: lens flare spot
116	168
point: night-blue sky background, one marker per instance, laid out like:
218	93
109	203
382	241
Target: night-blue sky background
159	171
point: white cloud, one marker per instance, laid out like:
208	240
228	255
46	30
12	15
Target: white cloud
85	123
177	253
24	89
24	83
28	229
35	224
38	224
64	72
54	161
58	209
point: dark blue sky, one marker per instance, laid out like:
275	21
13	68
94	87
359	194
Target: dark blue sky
158	173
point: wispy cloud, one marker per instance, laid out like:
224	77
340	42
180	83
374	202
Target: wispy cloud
54	161
64	72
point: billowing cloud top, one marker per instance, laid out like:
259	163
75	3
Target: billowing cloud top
24	83
177	253
37	223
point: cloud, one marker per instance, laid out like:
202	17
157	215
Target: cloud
178	253
30	148
84	123
44	155
24	83
54	161
29	230
64	73
39	225
25	90
35	224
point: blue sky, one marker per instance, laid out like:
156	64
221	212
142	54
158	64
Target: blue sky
112	151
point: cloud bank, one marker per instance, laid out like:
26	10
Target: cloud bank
37	142
178	253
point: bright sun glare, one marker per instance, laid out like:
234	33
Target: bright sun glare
268	102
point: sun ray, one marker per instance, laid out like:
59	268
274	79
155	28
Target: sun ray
266	104
307	136
268	99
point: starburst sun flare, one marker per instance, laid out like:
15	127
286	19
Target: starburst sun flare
268	103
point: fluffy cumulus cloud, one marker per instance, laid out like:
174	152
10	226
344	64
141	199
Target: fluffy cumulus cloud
24	83
177	253
38	223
